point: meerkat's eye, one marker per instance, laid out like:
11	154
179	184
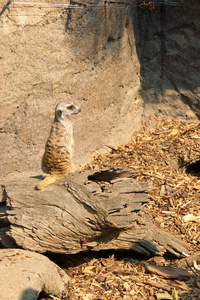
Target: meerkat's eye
71	107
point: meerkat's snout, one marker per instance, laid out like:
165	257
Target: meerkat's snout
76	110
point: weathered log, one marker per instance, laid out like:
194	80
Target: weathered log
88	210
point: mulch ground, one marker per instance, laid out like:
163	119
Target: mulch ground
166	152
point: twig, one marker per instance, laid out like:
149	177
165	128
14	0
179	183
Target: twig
169	194
159	285
5	7
112	148
117	2
186	204
153	175
190	268
79	3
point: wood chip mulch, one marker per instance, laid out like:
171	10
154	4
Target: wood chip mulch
159	152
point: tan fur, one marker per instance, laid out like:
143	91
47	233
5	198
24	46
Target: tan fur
57	159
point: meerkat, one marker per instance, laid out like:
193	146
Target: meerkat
57	158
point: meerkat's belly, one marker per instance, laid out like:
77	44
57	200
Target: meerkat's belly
57	158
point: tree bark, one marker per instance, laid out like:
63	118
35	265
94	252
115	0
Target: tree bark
88	210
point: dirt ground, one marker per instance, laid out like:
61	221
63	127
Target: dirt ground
166	152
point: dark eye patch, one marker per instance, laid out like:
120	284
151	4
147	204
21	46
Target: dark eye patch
71	107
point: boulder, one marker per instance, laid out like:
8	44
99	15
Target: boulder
24	275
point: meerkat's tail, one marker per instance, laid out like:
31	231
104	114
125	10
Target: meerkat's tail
49	179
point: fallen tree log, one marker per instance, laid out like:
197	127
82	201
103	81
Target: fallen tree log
88	210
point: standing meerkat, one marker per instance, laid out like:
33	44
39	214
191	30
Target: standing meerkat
57	158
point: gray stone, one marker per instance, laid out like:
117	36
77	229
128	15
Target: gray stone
25	274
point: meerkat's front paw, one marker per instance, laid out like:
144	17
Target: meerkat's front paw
47	181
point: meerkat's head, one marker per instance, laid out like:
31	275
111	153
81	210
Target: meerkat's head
64	111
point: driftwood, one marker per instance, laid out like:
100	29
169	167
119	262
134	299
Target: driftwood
88	210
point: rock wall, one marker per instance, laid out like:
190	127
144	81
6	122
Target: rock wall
120	65
169	47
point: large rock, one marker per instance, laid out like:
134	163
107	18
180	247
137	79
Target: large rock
169	55
116	64
24	275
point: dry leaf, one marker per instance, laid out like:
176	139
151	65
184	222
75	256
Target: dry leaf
174	132
96	284
190	218
164	296
175	295
88	269
182	285
169	272
126	286
159	284
88	297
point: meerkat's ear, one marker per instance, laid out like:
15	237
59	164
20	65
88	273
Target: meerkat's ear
59	113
